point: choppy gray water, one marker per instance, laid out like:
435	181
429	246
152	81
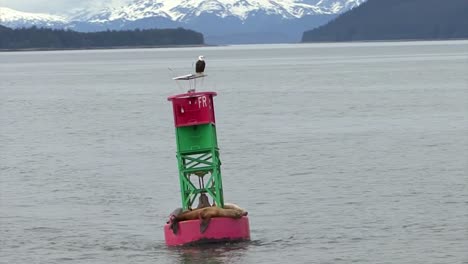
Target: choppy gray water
341	153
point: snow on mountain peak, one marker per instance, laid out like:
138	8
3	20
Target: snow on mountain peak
9	15
181	10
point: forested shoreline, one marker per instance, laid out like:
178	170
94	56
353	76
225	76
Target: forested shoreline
384	20
45	38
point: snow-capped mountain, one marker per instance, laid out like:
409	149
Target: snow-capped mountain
221	21
336	7
13	18
183	10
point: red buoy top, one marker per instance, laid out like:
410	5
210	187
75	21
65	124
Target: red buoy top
193	108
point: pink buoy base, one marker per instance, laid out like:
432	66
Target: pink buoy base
220	229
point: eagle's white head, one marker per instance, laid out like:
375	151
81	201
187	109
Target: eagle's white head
201	58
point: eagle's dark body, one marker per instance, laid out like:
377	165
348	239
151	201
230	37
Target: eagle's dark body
200	66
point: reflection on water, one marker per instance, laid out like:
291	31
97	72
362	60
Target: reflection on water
212	253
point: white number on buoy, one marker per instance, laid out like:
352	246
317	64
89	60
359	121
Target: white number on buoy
202	100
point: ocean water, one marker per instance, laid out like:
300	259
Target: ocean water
341	153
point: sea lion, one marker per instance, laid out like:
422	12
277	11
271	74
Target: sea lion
235	206
204	214
203	201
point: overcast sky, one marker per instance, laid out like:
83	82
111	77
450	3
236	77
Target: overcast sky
52	6
62	6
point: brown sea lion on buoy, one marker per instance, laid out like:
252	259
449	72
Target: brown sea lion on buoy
204	214
203	201
235	206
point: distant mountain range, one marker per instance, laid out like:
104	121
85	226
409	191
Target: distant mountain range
13	18
221	21
397	20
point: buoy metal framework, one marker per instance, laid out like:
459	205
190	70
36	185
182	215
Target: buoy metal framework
197	147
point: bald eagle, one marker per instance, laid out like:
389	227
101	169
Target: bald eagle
200	65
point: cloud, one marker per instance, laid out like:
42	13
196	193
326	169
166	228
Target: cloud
43	6
55	6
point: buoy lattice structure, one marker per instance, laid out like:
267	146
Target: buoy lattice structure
199	168
197	147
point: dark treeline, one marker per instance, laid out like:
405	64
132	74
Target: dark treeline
30	38
397	20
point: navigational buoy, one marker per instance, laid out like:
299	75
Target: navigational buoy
200	176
